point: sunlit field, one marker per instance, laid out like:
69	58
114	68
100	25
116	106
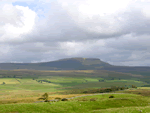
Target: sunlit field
29	89
125	103
18	94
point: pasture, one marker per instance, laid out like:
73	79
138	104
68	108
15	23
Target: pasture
125	103
20	90
17	90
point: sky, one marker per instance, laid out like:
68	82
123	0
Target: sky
115	31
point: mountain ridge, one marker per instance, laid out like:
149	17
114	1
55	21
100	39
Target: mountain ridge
75	63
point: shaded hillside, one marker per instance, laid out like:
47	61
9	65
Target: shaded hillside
67	73
63	64
145	71
76	64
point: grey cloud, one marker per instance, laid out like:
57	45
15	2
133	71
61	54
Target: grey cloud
59	27
116	45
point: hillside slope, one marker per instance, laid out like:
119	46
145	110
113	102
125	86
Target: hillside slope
76	64
62	64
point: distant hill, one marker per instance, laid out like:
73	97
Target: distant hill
62	64
76	64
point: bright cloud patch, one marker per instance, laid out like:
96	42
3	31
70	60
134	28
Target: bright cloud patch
16	20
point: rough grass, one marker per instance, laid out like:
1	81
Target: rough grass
139	91
126	102
9	81
145	109
30	98
29	90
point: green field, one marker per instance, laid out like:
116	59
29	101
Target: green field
28	90
60	84
19	91
125	103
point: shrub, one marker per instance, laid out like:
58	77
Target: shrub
46	101
58	98
108	90
82	99
101	91
111	96
4	83
133	86
85	91
93	99
64	99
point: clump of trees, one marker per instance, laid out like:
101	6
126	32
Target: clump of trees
105	90
44	81
18	80
133	86
101	80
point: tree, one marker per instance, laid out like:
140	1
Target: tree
44	97
133	86
4	83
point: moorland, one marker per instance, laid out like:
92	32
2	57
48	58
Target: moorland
21	88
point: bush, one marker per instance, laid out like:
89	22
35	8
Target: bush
111	96
108	90
58	98
64	99
85	91
101	91
133	86
46	101
4	83
93	99
121	88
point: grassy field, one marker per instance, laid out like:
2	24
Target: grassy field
60	84
27	90
125	103
19	94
